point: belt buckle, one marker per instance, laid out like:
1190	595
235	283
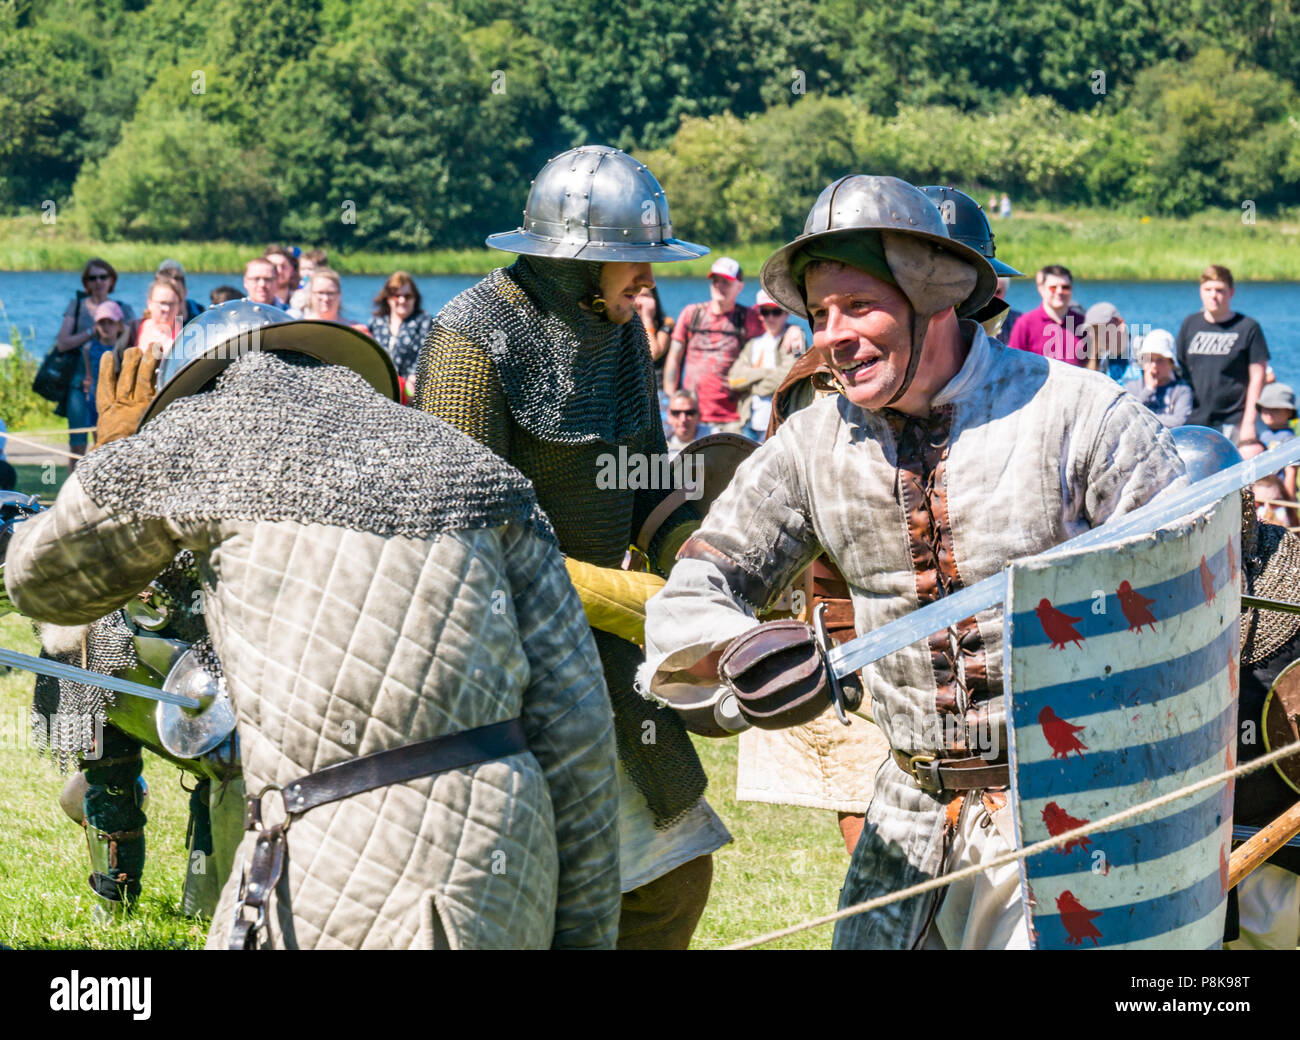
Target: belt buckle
929	780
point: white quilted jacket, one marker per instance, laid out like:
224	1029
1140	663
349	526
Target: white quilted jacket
337	643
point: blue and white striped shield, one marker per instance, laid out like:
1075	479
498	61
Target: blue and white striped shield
1121	667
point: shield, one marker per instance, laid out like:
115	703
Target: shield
1122	664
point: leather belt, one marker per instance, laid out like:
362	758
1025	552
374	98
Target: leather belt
342	780
935	774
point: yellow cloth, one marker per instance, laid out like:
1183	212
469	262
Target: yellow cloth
614	600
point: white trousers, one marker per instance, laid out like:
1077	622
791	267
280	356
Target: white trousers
1269	902
983	912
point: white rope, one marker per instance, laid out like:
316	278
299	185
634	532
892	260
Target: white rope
43	447
1019	854
52	433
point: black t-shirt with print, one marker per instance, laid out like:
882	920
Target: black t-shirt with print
1216	357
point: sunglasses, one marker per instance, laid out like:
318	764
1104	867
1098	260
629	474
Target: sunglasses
770	312
99	277
682	411
402	296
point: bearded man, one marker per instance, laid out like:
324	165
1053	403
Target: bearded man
545	363
395	628
942	456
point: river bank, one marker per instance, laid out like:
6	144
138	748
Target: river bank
1094	244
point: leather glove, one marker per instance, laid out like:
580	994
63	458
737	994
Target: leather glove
778	674
614	600
123	397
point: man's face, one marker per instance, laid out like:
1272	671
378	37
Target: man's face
1056	292
723	292
283	269
863	325
260	281
683	418
619	284
1215	296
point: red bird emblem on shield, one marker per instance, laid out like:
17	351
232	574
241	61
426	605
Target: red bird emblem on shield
1061	734
1077	920
1207	581
1058	625
1058	821
1135	607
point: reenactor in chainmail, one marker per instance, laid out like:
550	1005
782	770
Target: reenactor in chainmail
415	687
545	363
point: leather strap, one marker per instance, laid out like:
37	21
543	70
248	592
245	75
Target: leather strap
936	775
343	780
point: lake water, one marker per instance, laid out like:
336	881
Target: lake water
35	301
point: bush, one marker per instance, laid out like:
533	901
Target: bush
20	406
176	175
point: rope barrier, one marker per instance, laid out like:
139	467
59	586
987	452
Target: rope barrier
1012	857
43	447
51	433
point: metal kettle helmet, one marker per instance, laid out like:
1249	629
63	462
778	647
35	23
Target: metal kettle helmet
224	333
968	224
597	203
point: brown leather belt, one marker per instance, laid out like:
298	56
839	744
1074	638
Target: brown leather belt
936	774
342	780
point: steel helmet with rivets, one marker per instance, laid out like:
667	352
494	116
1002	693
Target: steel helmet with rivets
930	268
597	203
968	224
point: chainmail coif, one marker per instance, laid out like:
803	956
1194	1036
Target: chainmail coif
520	364
312	443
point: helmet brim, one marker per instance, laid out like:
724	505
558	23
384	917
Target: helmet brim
326	341
1004	270
776	278
662	252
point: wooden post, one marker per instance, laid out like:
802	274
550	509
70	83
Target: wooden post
1260	846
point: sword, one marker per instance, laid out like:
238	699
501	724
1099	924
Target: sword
59	670
847	658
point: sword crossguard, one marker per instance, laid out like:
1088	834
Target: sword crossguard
845	696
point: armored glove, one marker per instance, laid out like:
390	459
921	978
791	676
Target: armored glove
780	676
123	397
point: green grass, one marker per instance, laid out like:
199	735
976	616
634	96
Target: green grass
1093	243
45	902
785	864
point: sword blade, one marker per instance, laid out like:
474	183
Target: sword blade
59	670
935	617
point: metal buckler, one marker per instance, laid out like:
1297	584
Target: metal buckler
925	771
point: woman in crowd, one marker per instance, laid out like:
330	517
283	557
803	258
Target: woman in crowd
658	326
400	324
327	299
285	261
99	279
164	316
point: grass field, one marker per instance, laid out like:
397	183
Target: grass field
785	864
1094	244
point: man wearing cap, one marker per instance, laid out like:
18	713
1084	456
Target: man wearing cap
412	676
1168	397
942	456
547	363
707	340
1107	339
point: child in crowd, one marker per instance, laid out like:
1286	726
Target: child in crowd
224	294
1276	413
110	334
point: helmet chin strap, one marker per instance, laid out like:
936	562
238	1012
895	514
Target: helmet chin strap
913	357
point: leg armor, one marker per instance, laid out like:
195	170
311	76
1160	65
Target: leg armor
115	820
